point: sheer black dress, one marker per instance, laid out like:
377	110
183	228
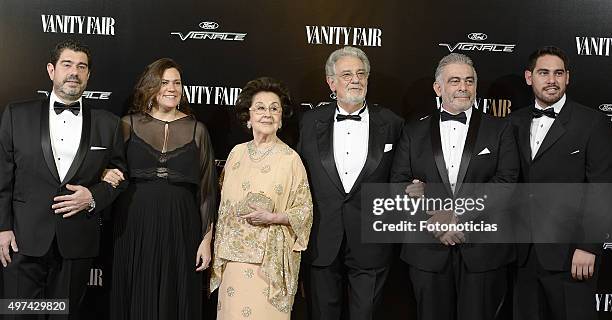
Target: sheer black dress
161	218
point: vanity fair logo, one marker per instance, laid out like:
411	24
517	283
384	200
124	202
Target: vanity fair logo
93	95
479	46
344	36
607	245
54	23
211	95
210	35
95	277
593	46
603	302
496	107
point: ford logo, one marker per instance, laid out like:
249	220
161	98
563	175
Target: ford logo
208	25
477	36
606	107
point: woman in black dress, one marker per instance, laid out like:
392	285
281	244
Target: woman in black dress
163	221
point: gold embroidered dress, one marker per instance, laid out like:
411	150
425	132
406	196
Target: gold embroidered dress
278	182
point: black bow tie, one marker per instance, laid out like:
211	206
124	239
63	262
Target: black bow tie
74	107
548	112
342	117
356	117
445	116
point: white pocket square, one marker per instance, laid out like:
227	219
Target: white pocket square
388	147
484	151
97	148
574	152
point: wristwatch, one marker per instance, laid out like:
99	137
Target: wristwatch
92	205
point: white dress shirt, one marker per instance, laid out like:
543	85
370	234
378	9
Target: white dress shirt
452	136
350	146
65	133
541	125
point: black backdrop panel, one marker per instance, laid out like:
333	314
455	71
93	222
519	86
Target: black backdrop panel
223	44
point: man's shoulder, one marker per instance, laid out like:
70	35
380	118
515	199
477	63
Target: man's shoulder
420	122
582	111
104	115
26	104
520	113
495	120
318	112
387	115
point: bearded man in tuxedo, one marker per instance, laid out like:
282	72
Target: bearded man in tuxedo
52	155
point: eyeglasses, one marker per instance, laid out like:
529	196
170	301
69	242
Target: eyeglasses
260	108
348	76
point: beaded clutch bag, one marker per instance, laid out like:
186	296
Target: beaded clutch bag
255	199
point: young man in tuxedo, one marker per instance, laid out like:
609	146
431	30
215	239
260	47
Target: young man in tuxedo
446	152
560	141
343	145
52	155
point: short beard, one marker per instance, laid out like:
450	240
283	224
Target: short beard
70	94
352	100
550	100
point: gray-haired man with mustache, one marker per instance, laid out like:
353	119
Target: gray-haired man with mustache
451	149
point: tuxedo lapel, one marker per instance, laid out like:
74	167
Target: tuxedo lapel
325	142
468	148
436	147
556	130
83	145
45	139
524	128
376	139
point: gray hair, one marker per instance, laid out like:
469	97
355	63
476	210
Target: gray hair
330	64
454	58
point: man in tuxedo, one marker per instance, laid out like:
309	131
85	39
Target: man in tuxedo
343	145
447	151
52	155
560	141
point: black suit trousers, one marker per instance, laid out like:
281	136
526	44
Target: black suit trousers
456	293
329	288
541	294
47	277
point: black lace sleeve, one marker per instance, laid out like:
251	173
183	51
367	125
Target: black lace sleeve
208	179
126	127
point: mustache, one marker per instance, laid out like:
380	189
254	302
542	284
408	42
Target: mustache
461	95
73	78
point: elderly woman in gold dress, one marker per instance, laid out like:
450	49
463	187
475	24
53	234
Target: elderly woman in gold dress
265	213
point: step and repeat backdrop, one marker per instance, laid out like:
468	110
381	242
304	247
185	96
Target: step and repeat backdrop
223	44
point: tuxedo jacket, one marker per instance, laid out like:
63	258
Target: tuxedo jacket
419	156
337	214
576	149
29	179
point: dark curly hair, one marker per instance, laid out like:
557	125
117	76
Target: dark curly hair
263	84
70	44
548	50
149	85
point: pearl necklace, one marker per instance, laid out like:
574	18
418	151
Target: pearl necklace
257	155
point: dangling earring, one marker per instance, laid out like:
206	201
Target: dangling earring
249	124
178	107
150	106
280	125
333	95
